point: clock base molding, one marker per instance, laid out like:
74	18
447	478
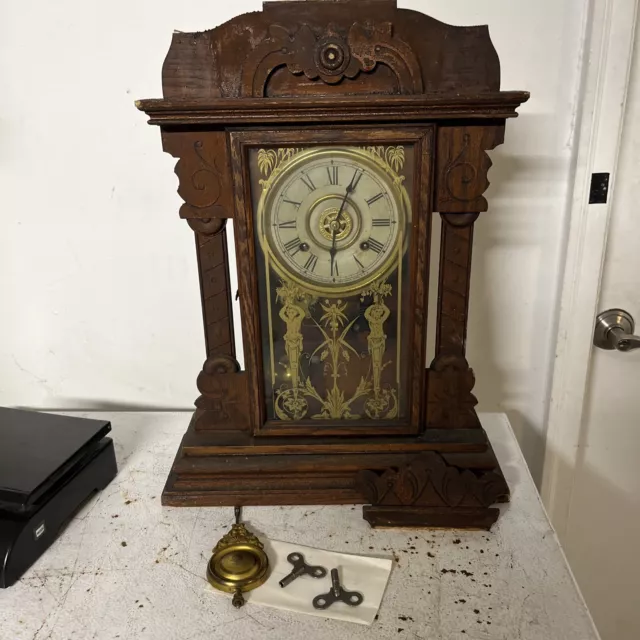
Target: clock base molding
445	478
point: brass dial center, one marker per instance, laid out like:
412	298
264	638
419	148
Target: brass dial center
329	224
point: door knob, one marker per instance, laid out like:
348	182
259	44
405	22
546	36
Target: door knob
614	330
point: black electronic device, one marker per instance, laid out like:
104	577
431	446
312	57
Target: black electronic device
50	465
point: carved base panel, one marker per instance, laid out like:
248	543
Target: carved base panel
446	478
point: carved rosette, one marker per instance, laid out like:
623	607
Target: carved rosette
428	481
332	56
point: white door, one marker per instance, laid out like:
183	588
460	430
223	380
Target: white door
602	534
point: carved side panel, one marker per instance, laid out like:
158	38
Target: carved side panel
330	57
461	179
428	481
462	165
204	172
206	187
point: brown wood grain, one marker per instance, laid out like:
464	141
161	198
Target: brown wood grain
450	403
215	289
419	278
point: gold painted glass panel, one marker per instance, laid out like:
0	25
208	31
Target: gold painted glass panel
333	229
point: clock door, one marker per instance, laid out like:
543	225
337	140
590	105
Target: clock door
336	224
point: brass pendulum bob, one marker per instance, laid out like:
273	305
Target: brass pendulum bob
238	563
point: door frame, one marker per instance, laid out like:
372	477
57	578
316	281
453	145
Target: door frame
606	63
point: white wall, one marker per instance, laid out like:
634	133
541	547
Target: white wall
99	303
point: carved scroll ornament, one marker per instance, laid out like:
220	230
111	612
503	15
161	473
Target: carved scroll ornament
462	167
205	176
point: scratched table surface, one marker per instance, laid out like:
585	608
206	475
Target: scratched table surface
128	568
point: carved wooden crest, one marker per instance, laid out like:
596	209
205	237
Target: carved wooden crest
330	57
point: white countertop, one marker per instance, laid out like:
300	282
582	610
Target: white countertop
129	568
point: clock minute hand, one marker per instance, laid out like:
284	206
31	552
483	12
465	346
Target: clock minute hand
350	188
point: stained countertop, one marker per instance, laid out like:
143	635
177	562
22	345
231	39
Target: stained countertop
127	568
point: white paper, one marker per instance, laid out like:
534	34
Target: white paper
365	574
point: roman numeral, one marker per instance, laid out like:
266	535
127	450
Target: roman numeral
380	222
359	263
334	269
289	224
375	245
293	202
308	182
291	245
332	172
311	263
375	198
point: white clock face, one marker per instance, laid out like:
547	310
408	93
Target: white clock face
333	219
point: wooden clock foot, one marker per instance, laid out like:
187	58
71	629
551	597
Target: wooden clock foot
429	492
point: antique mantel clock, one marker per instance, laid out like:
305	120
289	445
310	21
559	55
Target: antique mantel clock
328	132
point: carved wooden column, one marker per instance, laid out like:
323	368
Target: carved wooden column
461	179
205	186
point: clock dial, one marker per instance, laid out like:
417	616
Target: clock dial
333	219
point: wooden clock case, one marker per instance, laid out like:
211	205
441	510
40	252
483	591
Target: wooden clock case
327	69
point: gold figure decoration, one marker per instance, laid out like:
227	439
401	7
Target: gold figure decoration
290	403
238	563
336	353
384	401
